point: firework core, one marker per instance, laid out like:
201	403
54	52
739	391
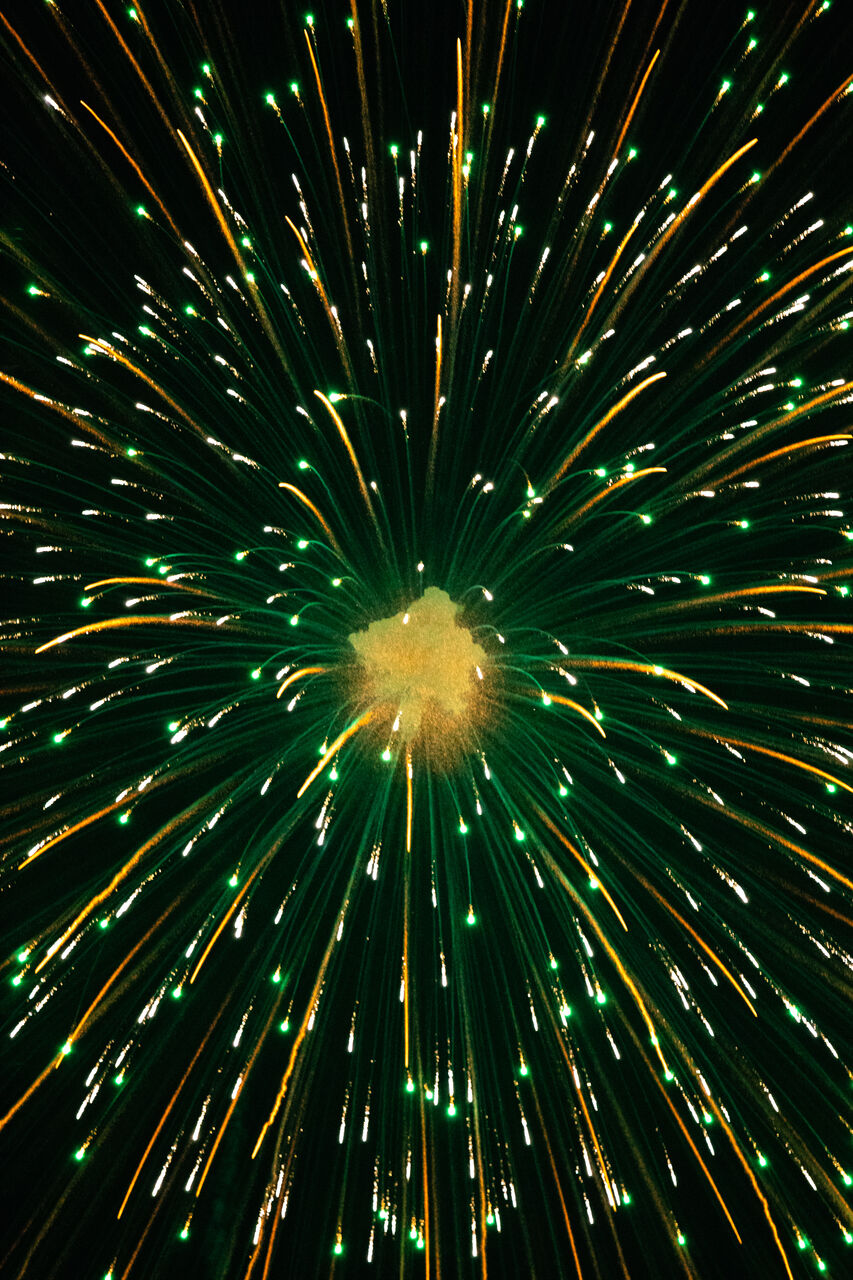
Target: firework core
422	663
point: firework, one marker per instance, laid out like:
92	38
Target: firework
426	654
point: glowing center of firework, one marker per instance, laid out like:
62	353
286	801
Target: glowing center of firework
422	662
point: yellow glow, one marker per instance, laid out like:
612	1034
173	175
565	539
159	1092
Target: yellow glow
422	664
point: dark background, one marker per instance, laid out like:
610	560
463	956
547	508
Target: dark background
61	216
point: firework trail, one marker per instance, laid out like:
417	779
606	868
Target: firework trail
426	641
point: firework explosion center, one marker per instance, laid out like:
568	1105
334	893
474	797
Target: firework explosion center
419	672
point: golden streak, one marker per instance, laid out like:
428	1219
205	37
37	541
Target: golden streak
699	1159
826	398
586	866
833	97
740	594
599	497
223	922
291	488
755	1186
779	755
785	452
297	675
649	668
614	262
303	1029
575	706
342	432
635	103
408	800
129	158
691	205
120	875
261	311
134	620
599	426
156	582
336	745
165	1114
78	826
324	298
80	423
780	293
709	951
106	349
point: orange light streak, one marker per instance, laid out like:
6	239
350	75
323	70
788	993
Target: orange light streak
342	432
779	755
599	426
130	160
649	668
121	875
338	742
586	866
133	620
709	951
156	582
169	1106
297	675
575	706
635	103
63	835
61	409
106	349
784	452
291	488
599	497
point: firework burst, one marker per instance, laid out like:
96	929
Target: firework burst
426	662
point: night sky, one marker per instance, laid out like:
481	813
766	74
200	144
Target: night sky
561	989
